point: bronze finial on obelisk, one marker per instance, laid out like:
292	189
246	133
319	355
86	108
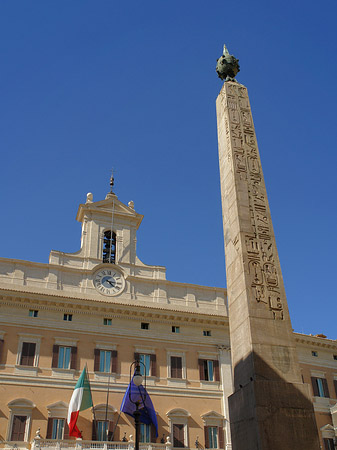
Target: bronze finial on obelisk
270	408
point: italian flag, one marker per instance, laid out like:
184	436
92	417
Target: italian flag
80	400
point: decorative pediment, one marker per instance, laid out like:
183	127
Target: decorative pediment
212	418
58	409
178	412
21	403
103	411
107	206
327	427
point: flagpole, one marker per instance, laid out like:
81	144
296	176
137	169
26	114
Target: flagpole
93	408
106	408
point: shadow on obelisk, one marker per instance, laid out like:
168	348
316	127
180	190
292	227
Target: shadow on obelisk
268	413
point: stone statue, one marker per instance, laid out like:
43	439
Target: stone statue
227	66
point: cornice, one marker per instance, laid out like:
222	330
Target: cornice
315	341
84	305
95	385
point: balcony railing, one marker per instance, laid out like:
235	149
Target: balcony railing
78	444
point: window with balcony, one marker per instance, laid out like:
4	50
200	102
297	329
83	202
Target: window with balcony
213	430
19	421
57	428
178	435
178	420
18	428
328	444
214	437
102	430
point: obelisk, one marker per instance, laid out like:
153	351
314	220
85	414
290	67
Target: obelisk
270	408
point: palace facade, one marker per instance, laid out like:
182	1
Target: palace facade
103	307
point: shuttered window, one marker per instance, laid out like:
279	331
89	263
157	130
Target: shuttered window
328	444
105	361
64	357
209	370
176	367
27	354
320	387
57	428
18	428
214	437
149	365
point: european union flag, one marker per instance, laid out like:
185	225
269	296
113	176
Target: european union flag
139	394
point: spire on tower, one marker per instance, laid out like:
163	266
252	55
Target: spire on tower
112	181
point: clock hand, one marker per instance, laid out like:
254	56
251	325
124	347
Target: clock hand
111	283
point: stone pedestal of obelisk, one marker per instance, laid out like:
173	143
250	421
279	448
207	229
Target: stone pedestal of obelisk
271	407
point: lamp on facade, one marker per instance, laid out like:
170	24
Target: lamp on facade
137	378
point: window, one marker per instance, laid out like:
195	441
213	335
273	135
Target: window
335	357
68	317
107	322
207	333
178	435
144	326
176	367
105	361
20	418
313	353
18	428
148	363
57	428
214	437
102	430
33	313
64	357
320	387
145	432
27	359
178	420
109	247
28	354
209	370
175	329
328	444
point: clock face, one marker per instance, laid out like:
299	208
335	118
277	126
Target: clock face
108	282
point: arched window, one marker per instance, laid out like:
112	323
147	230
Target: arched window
109	247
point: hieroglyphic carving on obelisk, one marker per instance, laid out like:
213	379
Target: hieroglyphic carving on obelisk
270	407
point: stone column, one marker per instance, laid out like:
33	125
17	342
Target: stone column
270	407
227	388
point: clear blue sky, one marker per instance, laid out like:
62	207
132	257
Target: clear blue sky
87	85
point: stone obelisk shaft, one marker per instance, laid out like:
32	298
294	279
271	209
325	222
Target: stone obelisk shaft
270	407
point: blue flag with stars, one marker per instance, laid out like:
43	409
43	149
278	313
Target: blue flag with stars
139	394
